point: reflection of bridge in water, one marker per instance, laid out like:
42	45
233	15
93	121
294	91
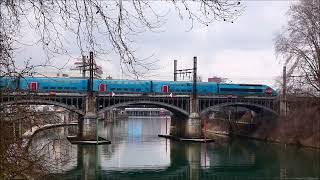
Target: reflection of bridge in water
234	160
187	161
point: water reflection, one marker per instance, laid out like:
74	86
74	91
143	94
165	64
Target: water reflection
137	153
135	145
57	152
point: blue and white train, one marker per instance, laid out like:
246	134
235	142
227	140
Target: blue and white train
80	85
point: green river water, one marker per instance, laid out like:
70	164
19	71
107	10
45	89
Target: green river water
136	152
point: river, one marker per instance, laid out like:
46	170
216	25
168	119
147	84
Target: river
136	152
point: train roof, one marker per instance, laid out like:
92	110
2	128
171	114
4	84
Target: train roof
136	80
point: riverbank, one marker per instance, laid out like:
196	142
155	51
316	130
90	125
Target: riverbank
300	127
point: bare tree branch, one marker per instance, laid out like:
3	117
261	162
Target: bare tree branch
299	44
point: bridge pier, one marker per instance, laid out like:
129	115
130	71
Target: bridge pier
193	128
188	129
87	125
193	125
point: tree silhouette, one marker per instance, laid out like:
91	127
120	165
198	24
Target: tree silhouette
299	45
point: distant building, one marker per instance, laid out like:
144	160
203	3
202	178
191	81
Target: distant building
215	79
62	75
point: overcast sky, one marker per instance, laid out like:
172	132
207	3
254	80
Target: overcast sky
242	51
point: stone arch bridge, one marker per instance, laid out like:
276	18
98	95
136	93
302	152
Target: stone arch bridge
179	105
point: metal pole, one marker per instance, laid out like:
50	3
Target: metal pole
284	89
83	66
91	74
194	89
175	70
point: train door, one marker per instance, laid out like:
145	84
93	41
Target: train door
33	86
102	88
165	89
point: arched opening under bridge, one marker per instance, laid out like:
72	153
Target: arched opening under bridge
177	122
238	118
173	109
254	107
45	102
31	116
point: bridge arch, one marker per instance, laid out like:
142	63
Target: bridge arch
45	102
175	110
241	104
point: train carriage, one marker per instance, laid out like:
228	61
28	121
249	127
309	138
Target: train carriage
40	84
245	89
121	86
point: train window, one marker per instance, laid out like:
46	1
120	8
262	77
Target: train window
258	85
178	90
119	89
226	89
59	87
52	87
74	88
138	89
183	90
45	87
66	87
252	90
189	90
125	89
112	89
240	90
131	89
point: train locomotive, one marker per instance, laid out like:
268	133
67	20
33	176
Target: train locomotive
103	86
